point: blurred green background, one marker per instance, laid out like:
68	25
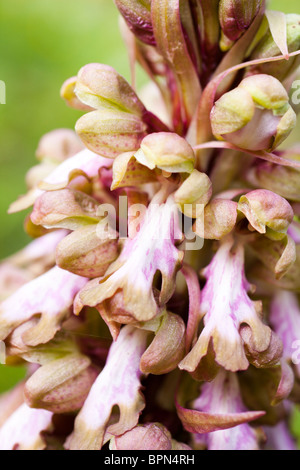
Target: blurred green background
43	42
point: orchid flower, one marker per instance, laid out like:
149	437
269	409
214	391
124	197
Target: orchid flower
157	308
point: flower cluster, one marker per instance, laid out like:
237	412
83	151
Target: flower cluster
157	307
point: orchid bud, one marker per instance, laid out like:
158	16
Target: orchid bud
282	180
255	116
236	16
65	209
166	151
137	14
101	87
58	145
195	191
62	385
150	436
220	217
86	253
110	132
267	213
146	437
267	48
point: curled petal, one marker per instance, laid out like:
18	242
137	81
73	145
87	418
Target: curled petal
166	151
68	94
168	347
219	407
194	194
127	171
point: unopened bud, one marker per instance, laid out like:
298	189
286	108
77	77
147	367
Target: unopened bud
236	16
166	151
255	116
101	87
195	191
86	253
137	14
150	436
62	385
109	132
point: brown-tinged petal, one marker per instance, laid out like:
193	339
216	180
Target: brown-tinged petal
219	407
236	17
167	348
